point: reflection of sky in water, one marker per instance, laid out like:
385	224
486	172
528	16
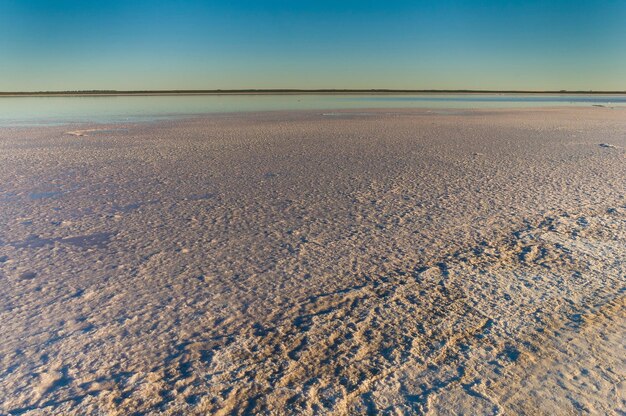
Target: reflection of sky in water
15	111
510	98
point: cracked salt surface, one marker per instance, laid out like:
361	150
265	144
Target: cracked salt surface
274	263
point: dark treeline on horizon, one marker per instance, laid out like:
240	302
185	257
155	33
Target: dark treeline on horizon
293	91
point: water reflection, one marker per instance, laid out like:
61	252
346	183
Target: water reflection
15	111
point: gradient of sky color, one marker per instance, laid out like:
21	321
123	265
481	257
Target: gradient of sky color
446	44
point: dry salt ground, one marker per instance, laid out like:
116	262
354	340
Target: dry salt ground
396	262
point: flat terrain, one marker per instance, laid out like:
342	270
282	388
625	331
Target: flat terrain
384	261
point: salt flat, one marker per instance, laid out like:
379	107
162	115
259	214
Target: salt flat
384	261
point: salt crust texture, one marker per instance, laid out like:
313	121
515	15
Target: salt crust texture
394	262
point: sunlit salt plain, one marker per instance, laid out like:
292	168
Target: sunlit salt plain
323	261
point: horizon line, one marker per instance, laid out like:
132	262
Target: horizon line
294	91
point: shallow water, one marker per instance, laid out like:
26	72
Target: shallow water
28	111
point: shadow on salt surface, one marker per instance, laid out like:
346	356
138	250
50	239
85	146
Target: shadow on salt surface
44	195
90	240
98	240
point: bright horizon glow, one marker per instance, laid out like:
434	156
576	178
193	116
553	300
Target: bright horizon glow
162	45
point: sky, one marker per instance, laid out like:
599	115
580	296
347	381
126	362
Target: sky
444	44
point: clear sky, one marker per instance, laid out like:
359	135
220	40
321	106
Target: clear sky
434	44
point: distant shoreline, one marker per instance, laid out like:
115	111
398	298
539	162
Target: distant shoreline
289	92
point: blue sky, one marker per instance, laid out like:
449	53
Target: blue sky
480	44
